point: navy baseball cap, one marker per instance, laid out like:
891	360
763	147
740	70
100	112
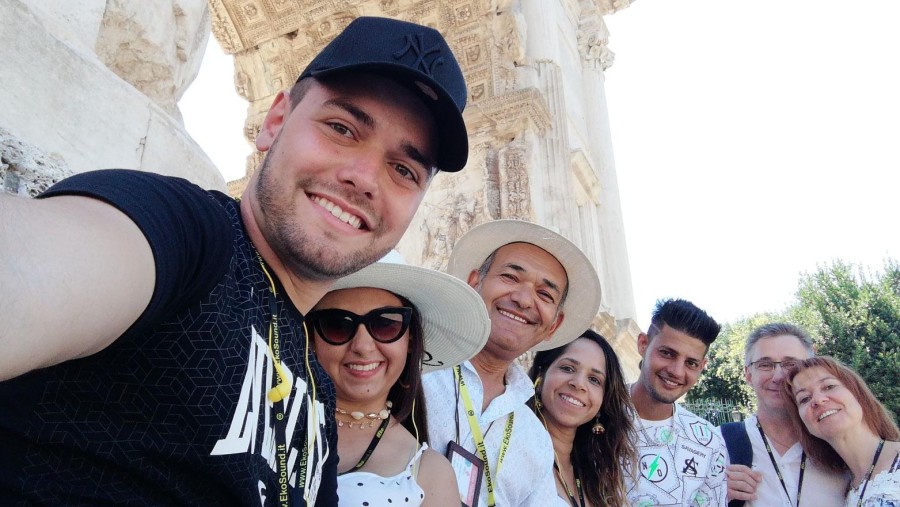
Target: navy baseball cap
415	56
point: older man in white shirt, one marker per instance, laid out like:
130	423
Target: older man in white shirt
541	292
781	475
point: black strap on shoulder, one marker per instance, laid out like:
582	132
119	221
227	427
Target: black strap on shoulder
740	451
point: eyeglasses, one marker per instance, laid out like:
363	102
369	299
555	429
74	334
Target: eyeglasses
768	365
338	327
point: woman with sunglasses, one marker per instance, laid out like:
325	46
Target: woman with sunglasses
375	333
582	399
843	426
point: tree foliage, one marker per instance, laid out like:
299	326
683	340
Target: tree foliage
855	316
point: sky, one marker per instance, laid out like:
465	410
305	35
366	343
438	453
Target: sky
754	142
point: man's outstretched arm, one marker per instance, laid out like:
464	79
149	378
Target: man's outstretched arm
75	273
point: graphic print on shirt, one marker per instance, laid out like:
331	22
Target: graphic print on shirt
681	464
254	411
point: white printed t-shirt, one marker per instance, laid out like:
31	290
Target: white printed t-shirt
682	462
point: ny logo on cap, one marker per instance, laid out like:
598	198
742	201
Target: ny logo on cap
416	46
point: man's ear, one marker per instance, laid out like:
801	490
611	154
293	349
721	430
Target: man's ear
274	120
642	343
747	375
560	316
473	279
703	364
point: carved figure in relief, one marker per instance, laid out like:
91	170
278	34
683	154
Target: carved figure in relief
478	92
516	201
508	30
454	218
242	83
473	54
324	28
178	320
251	11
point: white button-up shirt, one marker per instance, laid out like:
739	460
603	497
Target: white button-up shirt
526	477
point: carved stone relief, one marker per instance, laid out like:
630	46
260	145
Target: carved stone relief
515	194
593	37
123	65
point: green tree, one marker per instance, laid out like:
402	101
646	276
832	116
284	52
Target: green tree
855	317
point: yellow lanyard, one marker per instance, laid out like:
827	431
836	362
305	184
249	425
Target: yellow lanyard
281	391
479	438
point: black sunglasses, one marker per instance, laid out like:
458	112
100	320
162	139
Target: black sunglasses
338	327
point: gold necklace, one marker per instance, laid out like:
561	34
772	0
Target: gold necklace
362	420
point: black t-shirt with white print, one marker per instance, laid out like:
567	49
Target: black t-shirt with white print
175	412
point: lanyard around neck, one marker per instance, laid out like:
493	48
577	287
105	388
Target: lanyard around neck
282	390
778	470
372	445
478	438
569	492
862	492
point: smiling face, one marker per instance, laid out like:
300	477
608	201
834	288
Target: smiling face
826	407
673	361
767	384
345	171
522	290
573	386
363	370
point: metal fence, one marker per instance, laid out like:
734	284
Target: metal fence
718	412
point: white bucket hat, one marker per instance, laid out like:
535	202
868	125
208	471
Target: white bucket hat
454	319
583	299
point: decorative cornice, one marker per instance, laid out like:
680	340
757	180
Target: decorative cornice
223	29
514	111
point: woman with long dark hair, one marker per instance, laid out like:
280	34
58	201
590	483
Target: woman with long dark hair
582	399
843	426
375	333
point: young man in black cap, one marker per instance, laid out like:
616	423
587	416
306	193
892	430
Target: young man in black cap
153	348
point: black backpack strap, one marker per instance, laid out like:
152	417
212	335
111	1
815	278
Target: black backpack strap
740	452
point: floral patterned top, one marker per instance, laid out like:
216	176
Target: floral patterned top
883	489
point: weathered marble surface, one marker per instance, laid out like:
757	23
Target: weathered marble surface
95	83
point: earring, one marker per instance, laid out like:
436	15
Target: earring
597	428
537	394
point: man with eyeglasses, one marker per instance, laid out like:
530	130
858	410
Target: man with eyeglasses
781	474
